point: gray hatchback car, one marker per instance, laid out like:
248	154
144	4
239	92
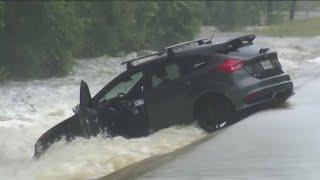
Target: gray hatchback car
206	83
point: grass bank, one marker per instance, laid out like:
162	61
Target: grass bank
298	28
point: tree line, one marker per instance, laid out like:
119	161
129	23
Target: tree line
41	39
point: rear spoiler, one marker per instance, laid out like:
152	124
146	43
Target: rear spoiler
236	43
241	41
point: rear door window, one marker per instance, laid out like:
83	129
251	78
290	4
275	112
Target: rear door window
165	74
173	71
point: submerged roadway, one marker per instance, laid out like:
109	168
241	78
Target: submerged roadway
281	143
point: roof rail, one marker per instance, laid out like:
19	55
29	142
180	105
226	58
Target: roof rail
199	41
168	50
129	62
142	57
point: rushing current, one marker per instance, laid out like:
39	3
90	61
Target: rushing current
28	109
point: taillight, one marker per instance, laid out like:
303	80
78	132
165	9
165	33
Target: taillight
230	65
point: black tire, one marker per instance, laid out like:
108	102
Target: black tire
213	113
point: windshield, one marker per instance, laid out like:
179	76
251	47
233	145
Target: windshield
123	86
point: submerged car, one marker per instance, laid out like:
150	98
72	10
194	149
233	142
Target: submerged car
207	83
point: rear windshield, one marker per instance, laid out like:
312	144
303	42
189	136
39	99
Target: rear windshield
247	51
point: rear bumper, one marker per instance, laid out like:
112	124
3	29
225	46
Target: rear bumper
278	88
280	91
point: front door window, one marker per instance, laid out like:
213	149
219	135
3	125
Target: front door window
123	87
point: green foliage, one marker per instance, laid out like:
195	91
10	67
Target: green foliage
1	15
110	26
175	21
129	26
39	38
228	15
62	33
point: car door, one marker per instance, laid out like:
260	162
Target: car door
167	96
124	90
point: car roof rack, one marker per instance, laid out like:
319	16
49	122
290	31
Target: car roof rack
232	43
129	62
168	50
199	41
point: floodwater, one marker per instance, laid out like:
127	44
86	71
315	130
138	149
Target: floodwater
281	143
28	109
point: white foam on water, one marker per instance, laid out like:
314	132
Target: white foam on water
99	156
317	60
87	158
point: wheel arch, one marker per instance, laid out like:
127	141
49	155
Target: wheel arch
209	94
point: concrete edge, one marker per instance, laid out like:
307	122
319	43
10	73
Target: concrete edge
134	170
